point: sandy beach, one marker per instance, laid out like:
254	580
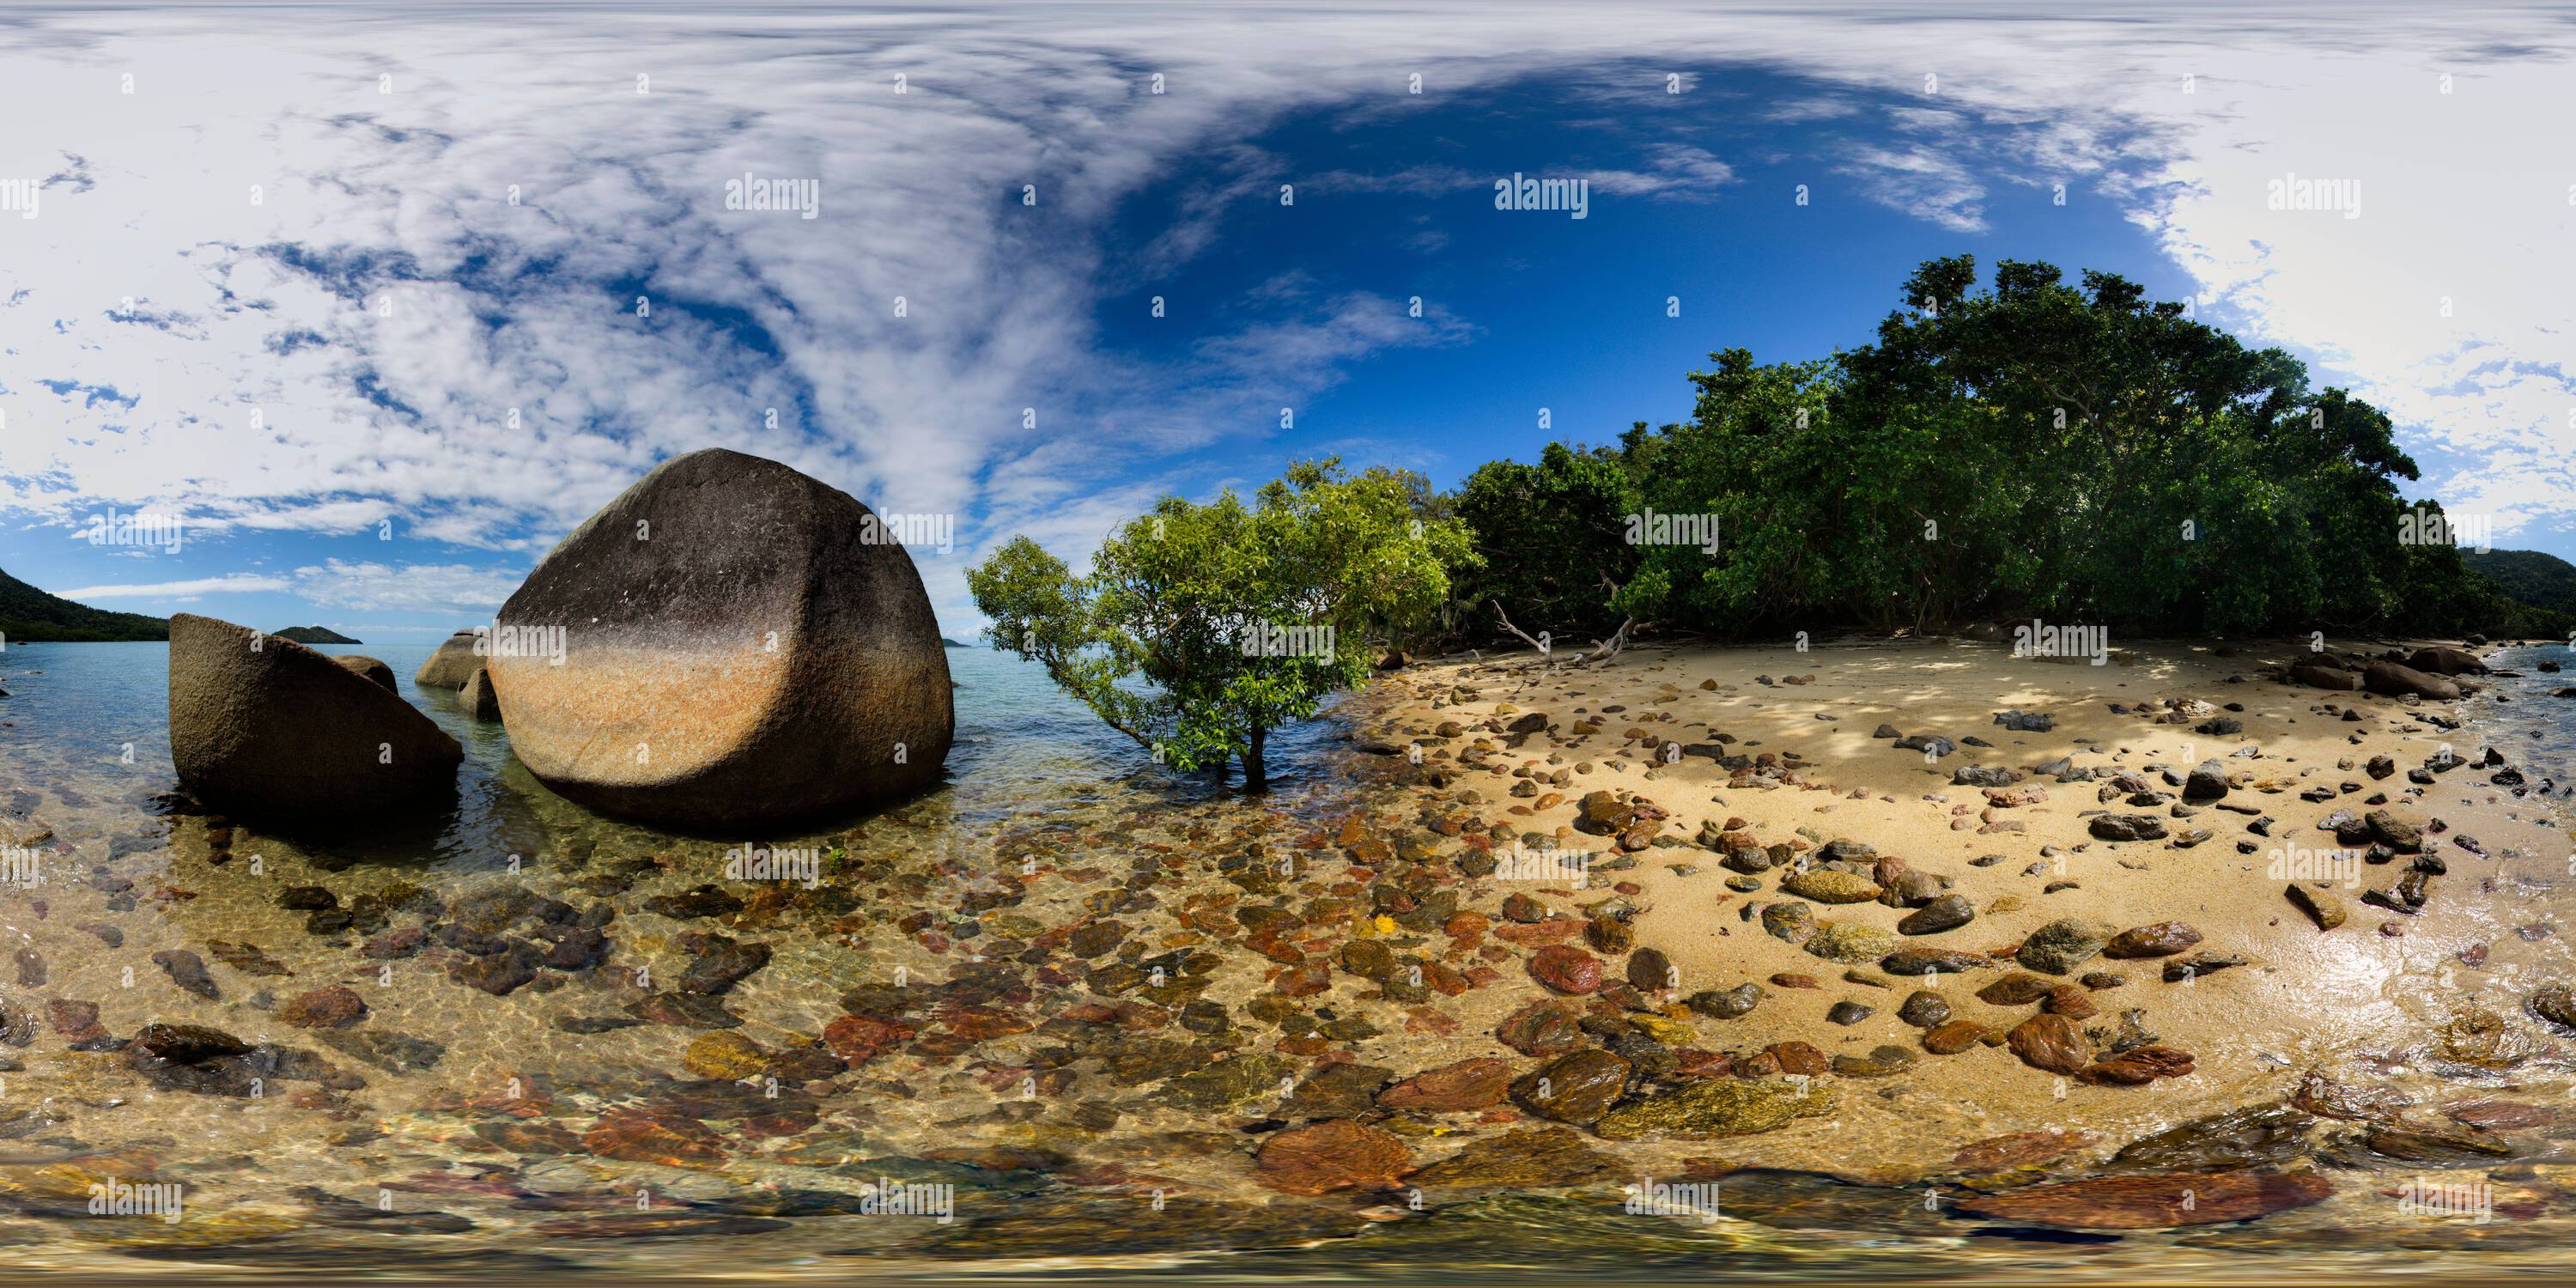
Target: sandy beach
2367	1001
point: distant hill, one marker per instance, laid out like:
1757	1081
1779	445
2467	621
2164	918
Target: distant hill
952	643
29	614
2530	577
314	635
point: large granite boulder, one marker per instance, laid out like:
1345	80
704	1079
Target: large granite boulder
263	726
451	666
728	643
2444	660
2394	680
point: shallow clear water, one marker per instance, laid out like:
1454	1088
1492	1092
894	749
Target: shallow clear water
630	1114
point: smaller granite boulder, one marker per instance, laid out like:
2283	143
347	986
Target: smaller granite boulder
451	666
368	667
478	698
265	726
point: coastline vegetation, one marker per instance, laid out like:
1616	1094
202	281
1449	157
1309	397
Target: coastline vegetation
2033	448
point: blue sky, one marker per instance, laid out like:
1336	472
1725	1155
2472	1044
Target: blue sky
454	221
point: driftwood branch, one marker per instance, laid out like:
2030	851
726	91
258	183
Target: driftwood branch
1602	650
1507	625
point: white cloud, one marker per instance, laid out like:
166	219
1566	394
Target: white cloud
355	346
240	583
1675	171
1922	183
339	583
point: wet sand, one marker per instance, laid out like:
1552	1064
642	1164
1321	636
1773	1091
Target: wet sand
2341	1000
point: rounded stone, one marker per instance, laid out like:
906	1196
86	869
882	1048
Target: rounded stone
377	672
451	665
729	642
1949	912
1577	1087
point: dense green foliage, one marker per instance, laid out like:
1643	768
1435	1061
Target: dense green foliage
1551	539
2029	448
2073	452
29	614
1201	628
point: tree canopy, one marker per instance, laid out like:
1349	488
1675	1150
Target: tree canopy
1202	628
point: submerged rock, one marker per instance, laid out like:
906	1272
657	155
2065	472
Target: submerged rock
1335	1155
767	654
1478	1083
265	726
1717	1107
1574	1088
336	1007
2258	1136
2152	1202
1527	1157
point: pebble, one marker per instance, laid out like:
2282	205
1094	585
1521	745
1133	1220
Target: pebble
1948	912
2060	946
2326	910
1566	969
1924	1009
2163	939
2050	1042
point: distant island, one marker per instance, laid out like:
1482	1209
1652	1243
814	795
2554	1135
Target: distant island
314	635
29	615
2528	576
952	643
